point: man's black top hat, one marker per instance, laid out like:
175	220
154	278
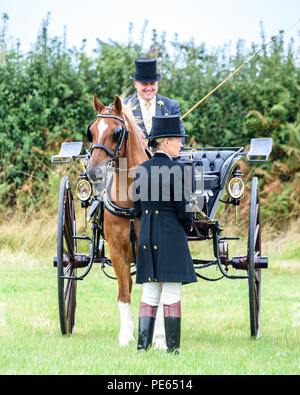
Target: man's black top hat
145	70
166	127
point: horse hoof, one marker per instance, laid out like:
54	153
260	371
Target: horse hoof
124	339
160	344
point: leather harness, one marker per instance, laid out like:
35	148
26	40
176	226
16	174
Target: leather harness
121	136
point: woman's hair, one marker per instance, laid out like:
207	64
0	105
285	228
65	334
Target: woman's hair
154	144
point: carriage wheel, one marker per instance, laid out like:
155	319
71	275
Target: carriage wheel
254	252
66	249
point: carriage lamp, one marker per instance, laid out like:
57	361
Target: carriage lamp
236	188
236	191
83	162
83	190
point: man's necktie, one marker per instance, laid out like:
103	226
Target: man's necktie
148	105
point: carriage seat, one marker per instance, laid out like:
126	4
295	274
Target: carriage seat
216	165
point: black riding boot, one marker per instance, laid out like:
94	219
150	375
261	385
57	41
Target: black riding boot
172	328
172	315
147	317
146	329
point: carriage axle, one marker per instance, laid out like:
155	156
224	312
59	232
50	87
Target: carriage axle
79	260
237	262
241	262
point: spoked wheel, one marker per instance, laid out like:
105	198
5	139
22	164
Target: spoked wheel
254	253
66	249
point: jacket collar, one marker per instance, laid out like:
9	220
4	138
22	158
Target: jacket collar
163	153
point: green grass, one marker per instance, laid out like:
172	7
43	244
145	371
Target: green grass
215	325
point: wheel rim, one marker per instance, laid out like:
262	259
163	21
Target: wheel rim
66	248
254	252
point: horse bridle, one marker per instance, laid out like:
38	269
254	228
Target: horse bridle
120	135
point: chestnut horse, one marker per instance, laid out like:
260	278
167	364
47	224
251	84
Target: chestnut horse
115	135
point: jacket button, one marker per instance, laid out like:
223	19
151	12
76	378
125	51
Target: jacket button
145	247
149	279
155	247
156	212
146	212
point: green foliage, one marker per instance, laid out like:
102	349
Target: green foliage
46	98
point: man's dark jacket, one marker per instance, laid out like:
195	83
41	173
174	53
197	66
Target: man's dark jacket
164	107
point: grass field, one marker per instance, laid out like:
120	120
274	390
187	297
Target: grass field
215	324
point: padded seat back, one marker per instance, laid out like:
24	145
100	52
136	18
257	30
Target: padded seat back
213	160
216	165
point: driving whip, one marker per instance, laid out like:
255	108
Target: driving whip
236	71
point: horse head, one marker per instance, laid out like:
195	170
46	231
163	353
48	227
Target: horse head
108	135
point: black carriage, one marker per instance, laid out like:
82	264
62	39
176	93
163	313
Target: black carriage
214	171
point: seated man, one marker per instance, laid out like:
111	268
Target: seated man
147	103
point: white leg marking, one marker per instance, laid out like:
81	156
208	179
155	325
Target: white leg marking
127	327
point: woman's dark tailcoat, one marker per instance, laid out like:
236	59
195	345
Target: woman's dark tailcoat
163	252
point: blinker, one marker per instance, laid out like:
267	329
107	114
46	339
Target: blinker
88	132
118	133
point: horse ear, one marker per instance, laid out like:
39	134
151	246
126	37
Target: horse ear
118	105
98	106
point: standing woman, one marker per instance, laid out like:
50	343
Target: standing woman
164	261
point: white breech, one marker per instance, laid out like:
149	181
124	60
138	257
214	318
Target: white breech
167	293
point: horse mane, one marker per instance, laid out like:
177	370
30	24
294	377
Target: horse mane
128	111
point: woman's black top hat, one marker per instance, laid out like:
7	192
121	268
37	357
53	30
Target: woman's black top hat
145	70
166	127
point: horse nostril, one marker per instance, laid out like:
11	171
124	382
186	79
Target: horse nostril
91	174
99	174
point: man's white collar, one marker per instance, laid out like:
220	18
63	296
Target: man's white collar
143	102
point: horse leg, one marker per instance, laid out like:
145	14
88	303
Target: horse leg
122	270
127	327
